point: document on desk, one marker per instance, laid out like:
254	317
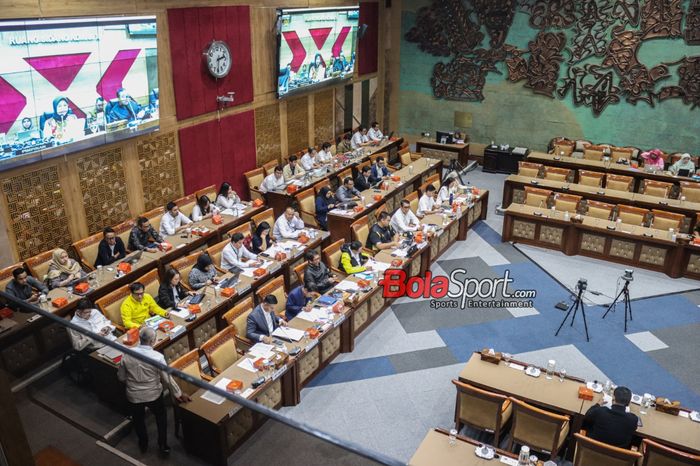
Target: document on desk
213	397
399	253
262	350
248	271
348	285
316	314
288	244
379	266
247	364
109	352
181	313
287	333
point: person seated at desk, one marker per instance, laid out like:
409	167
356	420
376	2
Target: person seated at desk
374	133
428	203
203	273
324	204
447	190
262	320
126	108
274	181
345	145
262	239
63	269
203	209
56	124
347	192
324	155
297	300
227	197
288	225
684	163
92	320
317	277
110	249
235	255
138	306
25	287
173	220
171	291
308	160
380	170
359	138
653	159
613	425
364	179
382	235
144	237
404	220
352	259
293	169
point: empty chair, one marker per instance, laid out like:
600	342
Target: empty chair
690	190
591	452
529	169
537	197
622	153
539	429
567	202
656	454
598	209
481	410
619	182
664	220
657	188
563	147
592	152
589	178
221	351
631	215
557	174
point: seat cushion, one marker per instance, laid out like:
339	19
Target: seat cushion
536	200
590	180
240	323
656	191
691	195
630	218
663	223
526	171
591	154
618	185
554	176
598	212
224	355
565	206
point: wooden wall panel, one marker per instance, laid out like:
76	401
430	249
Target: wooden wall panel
297	124
160	175
323	116
339	108
103	186
267	132
36	211
264	38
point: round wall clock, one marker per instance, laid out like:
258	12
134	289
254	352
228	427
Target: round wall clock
218	59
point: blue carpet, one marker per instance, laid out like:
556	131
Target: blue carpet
354	370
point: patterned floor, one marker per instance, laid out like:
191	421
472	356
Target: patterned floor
396	384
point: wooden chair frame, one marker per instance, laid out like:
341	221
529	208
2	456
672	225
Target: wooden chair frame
538	191
603	448
657	184
541	414
330	250
676	455
621	178
531	165
483	394
232	314
254	189
209	346
558	171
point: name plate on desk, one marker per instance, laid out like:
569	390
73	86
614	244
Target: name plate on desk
279	372
243	289
311	345
275	267
339	320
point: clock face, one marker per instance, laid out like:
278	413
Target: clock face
218	57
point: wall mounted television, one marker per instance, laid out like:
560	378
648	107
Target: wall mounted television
69	84
316	47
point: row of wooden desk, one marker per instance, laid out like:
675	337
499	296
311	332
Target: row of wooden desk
602	239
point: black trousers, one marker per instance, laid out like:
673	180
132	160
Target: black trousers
138	413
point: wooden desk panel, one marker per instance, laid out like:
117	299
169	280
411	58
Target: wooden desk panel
436	450
445	152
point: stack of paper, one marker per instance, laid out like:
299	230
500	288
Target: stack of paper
247	364
248	271
347	285
316	314
288	333
179	312
262	350
380	266
214	398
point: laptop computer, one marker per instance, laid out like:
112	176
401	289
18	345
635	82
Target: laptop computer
684	172
23	136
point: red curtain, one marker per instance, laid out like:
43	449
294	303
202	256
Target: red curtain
191	30
368	46
218	151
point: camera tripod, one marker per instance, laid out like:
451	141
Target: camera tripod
628	305
578	303
456	168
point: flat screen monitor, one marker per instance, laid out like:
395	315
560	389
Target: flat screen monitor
316	47
69	84
443	137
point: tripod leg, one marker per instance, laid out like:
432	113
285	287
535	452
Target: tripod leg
571	308
576	305
629	303
612	305
585	323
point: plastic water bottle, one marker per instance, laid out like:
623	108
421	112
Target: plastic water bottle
524	456
452	196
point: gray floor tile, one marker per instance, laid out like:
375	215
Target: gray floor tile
422	359
681	357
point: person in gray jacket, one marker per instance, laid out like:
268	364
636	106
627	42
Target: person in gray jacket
317	277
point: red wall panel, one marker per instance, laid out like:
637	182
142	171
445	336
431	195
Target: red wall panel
368	46
191	30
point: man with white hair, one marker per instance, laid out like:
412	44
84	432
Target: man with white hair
144	388
684	163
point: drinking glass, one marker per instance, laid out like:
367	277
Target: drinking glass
99	274
562	374
452	439
646	403
506	358
551	365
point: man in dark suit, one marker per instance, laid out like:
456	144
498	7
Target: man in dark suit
613	425
380	170
297	301
262	321
364	179
110	249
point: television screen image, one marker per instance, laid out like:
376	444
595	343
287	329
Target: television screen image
316	47
71	84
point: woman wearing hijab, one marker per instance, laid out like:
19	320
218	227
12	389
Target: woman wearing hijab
203	273
262	239
62	269
55	126
227	197
685	163
203	209
324	203
653	159
317	70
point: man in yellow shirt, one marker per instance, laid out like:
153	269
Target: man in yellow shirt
139	306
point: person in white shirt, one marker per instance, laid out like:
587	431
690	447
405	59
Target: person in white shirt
374	133
288	225
92	320
235	254
428	204
273	181
293	169
449	187
227	197
173	220
359	138
203	209
308	160
324	155
404	220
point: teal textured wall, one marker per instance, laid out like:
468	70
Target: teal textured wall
511	113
